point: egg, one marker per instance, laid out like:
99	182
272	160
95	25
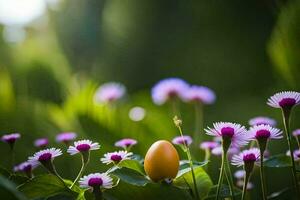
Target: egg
161	161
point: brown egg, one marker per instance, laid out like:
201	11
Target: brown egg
161	161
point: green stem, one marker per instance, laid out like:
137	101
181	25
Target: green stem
220	181
262	175
286	123
298	142
246	179
229	177
97	193
175	106
198	123
188	153
83	166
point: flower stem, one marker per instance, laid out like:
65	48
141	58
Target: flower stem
286	123
246	179
229	177
97	193
188	153
262	175
220	181
198	123
83	166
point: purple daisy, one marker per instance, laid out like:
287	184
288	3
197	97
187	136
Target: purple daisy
209	145
25	167
167	89
11	138
235	133
286	99
44	156
126	143
296	133
116	157
182	140
247	156
66	137
200	94
262	120
264	132
83	146
41	142
296	154
96	180
109	92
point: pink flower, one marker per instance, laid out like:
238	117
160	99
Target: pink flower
209	145
236	133
83	146
245	157
92	181
43	156
26	167
286	99
181	140
11	138
296	154
126	143
264	132
109	92
167	89
262	120
66	137
41	142
200	94
115	157
296	132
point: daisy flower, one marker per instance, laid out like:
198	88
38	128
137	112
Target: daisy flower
249	156
44	156
296	133
182	140
66	137
109	92
96	180
25	167
115	157
167	89
296	154
239	174
286	99
11	138
262	120
83	146
209	145
126	143
199	94
235	134
41	142
264	132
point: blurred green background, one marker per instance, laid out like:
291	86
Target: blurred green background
51	65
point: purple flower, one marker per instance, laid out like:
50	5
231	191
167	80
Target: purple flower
286	99
264	132
109	92
296	132
25	167
167	89
296	154
182	140
235	133
41	142
115	157
239	174
246	157
96	180
137	114
11	138
209	145
83	146
66	137
44	156
200	94
262	120
126	143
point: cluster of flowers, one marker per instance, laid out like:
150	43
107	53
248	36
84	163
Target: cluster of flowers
45	157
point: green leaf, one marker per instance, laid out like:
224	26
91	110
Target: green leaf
224	192
150	191
280	160
9	191
132	164
185	180
18	179
4	172
45	186
184	164
131	176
